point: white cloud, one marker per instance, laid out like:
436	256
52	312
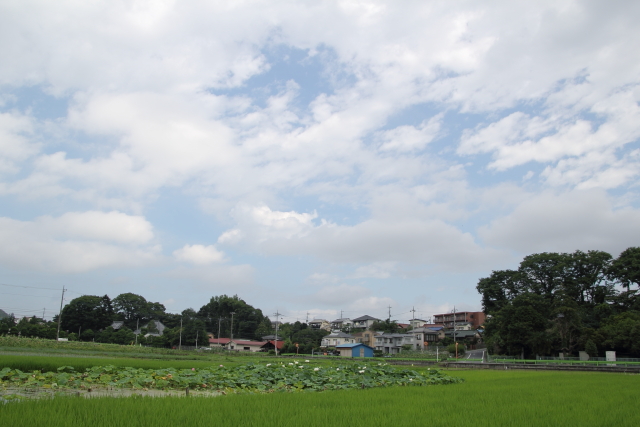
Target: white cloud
565	222
15	144
412	240
77	242
382	270
199	254
409	138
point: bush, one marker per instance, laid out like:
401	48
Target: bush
452	349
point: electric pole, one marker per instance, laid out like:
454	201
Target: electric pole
389	313
276	342
180	342
232	313
60	314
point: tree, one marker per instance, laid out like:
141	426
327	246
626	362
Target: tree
621	333
135	309
246	318
626	268
87	312
385	326
520	328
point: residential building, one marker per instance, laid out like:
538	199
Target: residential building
417	323
475	319
320	324
219	342
366	337
337	338
392	343
340	324
154	328
355	350
468	337
424	337
252	346
365	321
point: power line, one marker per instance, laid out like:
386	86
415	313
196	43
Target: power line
30	287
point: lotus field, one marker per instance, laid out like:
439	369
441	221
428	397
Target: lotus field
256	378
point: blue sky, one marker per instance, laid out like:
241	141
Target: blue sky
326	157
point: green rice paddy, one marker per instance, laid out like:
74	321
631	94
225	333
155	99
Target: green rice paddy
486	398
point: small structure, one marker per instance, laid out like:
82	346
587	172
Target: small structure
355	350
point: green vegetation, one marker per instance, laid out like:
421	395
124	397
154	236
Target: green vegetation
485	399
269	377
564	303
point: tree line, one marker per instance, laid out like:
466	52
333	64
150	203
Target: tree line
90	318
564	303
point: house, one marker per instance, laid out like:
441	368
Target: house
219	342
475	319
417	323
154	328
355	350
272	337
366	337
117	324
241	345
365	321
271	345
337	338
320	324
340	324
424	337
464	336
403	325
392	343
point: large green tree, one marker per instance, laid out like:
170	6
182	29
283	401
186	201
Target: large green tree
135	310
87	312
246	318
578	290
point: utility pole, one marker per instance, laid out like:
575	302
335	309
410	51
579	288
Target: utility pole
307	317
197	331
43	313
232	313
180	342
276	341
60	314
414	315
389	313
454	323
219	321
137	330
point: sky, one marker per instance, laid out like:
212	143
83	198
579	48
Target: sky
318	159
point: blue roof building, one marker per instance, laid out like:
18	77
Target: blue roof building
355	350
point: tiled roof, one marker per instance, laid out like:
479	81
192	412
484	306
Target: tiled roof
258	343
363	318
219	340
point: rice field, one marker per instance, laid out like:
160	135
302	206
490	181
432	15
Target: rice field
486	398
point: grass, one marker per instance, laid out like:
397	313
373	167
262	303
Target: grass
487	398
